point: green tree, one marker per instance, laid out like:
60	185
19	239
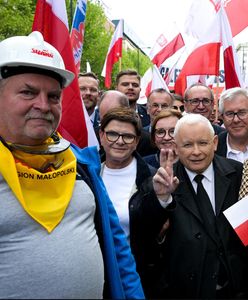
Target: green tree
96	39
16	17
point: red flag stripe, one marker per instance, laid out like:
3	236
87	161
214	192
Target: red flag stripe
242	232
112	58
231	78
171	48
237	12
55	31
204	60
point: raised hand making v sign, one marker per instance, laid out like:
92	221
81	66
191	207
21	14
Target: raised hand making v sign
164	181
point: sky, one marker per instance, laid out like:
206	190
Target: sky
148	19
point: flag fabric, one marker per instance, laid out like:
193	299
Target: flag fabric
88	67
77	32
51	20
233	76
237	12
114	54
237	216
151	80
203	25
157	80
163	49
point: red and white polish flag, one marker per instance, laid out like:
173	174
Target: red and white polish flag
166	47
203	25
51	20
233	76
151	80
209	24
114	53
237	12
237	216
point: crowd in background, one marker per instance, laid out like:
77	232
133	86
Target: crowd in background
143	216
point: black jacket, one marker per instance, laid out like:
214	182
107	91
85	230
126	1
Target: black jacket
222	146
191	270
146	217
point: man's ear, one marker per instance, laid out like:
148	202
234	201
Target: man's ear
215	141
147	107
137	140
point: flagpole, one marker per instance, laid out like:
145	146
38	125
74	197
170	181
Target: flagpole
71	11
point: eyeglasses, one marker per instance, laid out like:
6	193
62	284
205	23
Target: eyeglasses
181	107
241	114
158	105
113	136
197	101
161	132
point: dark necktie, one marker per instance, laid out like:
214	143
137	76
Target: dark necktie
208	216
203	202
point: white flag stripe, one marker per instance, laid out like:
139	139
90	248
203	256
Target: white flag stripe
237	214
59	10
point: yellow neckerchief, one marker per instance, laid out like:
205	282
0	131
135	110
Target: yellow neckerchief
44	196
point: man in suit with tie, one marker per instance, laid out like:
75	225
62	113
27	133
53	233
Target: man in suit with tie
205	258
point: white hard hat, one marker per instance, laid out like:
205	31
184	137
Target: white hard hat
31	54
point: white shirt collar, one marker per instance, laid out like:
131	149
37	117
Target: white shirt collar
208	173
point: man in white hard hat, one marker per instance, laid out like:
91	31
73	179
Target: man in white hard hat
57	240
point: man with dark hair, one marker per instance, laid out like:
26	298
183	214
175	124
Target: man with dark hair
89	91
128	82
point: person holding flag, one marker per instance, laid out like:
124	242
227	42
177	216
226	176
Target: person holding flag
60	235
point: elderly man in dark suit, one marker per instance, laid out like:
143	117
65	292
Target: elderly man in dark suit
205	258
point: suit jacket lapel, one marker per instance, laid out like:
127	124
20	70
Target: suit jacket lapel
222	184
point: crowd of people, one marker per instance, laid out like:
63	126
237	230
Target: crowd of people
142	217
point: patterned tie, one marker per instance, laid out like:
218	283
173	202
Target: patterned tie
244	183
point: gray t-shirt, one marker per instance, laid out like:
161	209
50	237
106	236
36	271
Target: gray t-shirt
67	263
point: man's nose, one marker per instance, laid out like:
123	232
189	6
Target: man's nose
196	149
42	103
200	105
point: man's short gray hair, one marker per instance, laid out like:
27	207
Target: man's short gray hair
193	119
231	94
